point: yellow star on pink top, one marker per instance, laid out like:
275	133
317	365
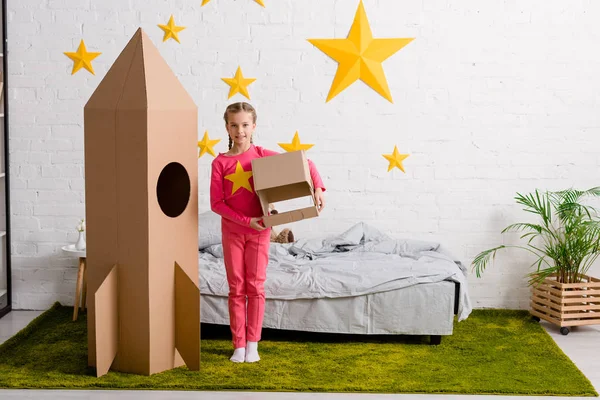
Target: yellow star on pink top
240	179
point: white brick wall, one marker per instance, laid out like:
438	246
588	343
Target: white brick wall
490	99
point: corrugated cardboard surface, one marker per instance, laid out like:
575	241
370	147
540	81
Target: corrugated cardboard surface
171	239
282	177
132	235
280	170
139	120
290	216
107	317
101	206
288	192
100	120
172	137
187	319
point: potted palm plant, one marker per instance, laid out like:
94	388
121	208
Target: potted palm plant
565	242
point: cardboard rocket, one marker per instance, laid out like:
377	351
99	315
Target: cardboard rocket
141	189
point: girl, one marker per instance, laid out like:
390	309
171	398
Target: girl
245	239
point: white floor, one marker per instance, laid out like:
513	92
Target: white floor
582	345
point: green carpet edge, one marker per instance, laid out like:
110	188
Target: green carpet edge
230	388
35	323
28	330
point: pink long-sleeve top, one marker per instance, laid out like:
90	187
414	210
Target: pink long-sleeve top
237	207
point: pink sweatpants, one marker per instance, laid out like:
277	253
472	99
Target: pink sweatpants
246	258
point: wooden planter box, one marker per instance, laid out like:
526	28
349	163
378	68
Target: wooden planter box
567	304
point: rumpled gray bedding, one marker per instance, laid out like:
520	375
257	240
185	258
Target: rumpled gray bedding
357	262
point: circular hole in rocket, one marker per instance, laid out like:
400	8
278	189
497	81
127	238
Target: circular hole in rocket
173	189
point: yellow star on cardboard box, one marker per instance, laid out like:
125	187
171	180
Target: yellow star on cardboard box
360	56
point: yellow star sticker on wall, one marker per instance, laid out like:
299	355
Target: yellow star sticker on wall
360	56
82	58
295	145
238	84
204	2
240	179
206	145
171	30
395	159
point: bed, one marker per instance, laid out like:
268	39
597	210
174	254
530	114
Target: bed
358	282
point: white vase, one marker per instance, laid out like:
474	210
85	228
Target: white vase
80	245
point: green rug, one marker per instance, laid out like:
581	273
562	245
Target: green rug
493	352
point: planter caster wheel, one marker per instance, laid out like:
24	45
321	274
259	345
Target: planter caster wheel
536	319
564	330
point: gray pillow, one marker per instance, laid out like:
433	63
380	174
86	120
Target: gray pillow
209	229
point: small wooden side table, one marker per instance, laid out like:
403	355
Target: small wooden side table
81	286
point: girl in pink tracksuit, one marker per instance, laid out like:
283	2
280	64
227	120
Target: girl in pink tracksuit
245	240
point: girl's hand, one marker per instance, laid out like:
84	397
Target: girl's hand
254	223
320	199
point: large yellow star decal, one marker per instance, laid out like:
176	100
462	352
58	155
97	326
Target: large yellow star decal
295	145
206	145
204	2
395	159
82	58
238	84
171	30
240	179
360	56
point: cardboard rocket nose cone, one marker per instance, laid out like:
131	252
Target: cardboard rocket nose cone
139	122
108	92
140	78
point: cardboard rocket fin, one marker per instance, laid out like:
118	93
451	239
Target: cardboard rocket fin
107	322
187	319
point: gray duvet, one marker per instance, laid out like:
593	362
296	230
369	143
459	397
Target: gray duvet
358	262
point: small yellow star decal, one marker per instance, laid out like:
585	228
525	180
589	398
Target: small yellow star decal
240	179
171	30
395	159
204	2
82	58
295	145
206	145
360	56
238	84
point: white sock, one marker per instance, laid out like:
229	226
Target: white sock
238	355
252	352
